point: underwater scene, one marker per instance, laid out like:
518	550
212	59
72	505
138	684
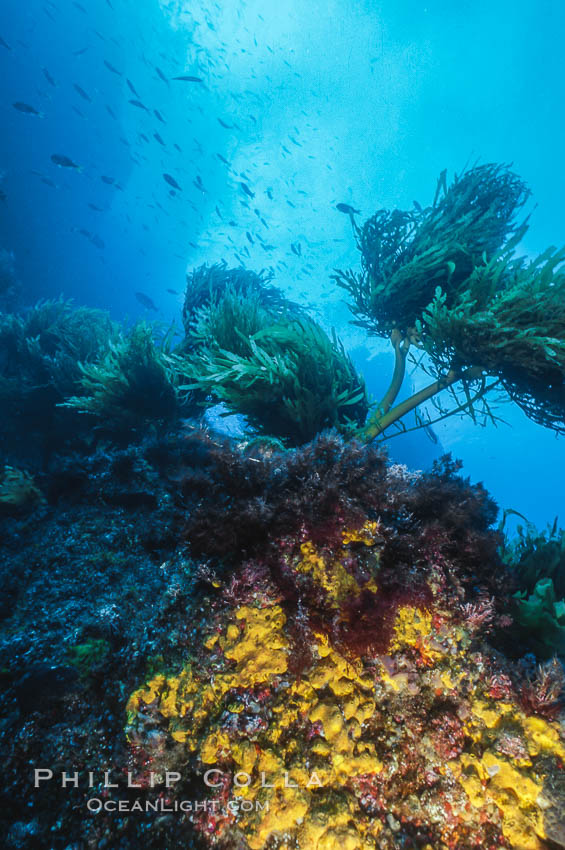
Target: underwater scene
282	394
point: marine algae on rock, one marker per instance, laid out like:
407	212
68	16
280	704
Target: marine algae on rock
425	740
18	491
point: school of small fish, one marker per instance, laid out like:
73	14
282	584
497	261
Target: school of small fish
144	112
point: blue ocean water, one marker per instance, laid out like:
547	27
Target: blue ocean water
307	103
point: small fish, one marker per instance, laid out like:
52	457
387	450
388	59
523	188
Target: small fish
80	7
249	237
97	241
177	147
347	209
188	79
108	180
159	116
26	108
199	184
83	94
48	77
247	190
3	195
172	182
226	126
111	68
417	206
48	182
296	248
4	44
95	208
270	193
111	112
63	161
431	434
80	51
161	74
139	104
173	291
132	87
159	139
222	158
147	302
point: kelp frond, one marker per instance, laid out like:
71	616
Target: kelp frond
269	361
207	283
135	384
406	255
229	318
517	335
40	352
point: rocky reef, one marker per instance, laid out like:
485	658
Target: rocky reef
309	653
344	693
283	641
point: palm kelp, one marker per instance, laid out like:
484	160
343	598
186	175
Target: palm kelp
40	355
516	335
264	357
42	348
206	283
134	385
445	279
406	255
